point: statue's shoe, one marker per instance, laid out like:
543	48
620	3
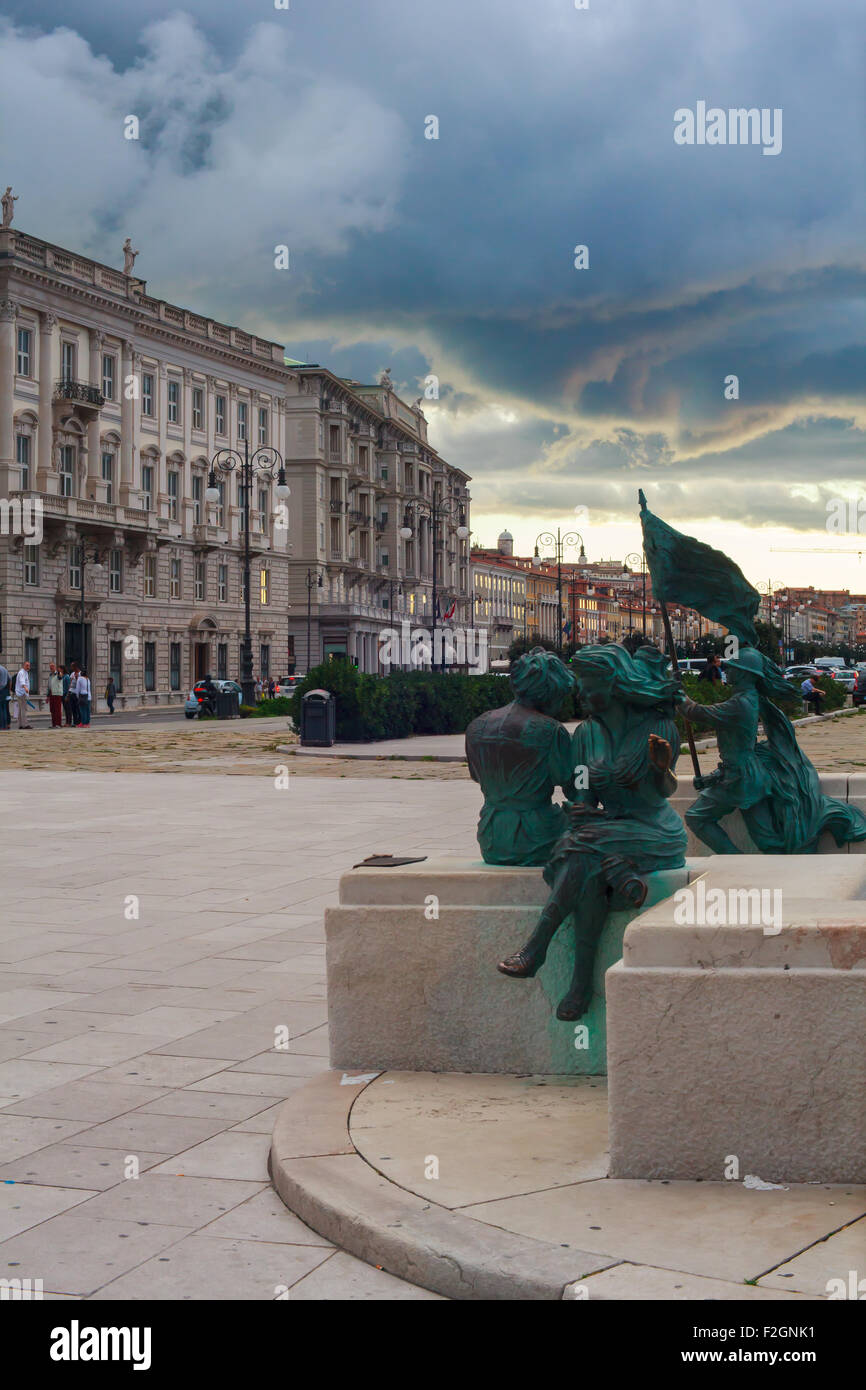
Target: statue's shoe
521	966
574	1006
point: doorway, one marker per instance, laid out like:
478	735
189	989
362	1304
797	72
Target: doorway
202	661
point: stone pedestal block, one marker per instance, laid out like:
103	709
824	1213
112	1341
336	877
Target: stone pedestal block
412	978
739	1044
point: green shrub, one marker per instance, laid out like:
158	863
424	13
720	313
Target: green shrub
266	709
402	703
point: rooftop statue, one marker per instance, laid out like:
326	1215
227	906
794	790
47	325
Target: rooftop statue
620	825
7	202
128	257
519	755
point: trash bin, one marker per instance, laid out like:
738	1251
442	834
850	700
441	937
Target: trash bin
318	718
226	704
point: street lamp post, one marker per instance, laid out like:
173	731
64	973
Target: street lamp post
632	561
96	566
312	582
263	462
437	509
559	543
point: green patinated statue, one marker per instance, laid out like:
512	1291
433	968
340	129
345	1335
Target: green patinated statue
519	755
620	826
772	783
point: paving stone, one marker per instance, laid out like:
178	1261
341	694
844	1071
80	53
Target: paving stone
78	1254
25	1205
344	1278
88	1101
189	1202
204	1266
166	1134
811	1271
230	1155
22	1134
265	1217
74	1164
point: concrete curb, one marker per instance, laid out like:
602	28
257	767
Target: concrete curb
322	1178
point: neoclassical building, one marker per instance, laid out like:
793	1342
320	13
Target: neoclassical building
112	406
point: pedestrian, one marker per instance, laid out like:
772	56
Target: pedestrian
55	695
22	695
812	694
272	688
72	696
4	697
712	670
258	690
82	690
67	710
110	694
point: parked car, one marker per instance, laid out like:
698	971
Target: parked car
830	663
846	676
858	694
289	684
194	698
801	672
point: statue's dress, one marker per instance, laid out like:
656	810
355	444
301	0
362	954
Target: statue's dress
638	829
519	756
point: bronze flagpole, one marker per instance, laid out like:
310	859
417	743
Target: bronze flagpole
673	654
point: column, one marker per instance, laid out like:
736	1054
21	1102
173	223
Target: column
129	369
8	471
47	375
93	480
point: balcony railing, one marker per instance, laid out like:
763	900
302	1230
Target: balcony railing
68	390
337	505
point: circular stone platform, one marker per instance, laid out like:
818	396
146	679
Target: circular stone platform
481	1186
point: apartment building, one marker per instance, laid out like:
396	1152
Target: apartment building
114	407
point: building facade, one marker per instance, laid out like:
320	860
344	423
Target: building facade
113	405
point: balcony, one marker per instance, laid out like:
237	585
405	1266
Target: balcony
338	505
209	537
87	399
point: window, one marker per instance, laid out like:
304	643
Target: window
115	571
222	661
321	535
222	583
242	506
147	486
321	434
174	579
383	559
242	419
67	470
200	576
31	654
265	661
173	402
25	359
197	498
150	576
220	414
173	486
147	394
108	476
243	587
74	566
22	455
31	564
197	408
67	360
264	509
150	666
115	664
384	472
363	465
108	376
174	665
263	425
334	441
264	586
221	504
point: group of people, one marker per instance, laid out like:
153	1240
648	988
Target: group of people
266	690
69	696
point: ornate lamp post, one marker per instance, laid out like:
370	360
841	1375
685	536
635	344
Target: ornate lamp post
312	581
96	568
632	561
559	543
449	509
262	462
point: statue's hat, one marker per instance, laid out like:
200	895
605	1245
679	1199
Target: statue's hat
749	659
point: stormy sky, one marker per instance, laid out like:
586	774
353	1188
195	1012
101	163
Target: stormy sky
559	388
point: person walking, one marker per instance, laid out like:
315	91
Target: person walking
272	688
258	690
72	696
110	694
82	690
22	694
4	697
55	695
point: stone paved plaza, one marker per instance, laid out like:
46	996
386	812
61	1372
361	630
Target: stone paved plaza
153	1039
